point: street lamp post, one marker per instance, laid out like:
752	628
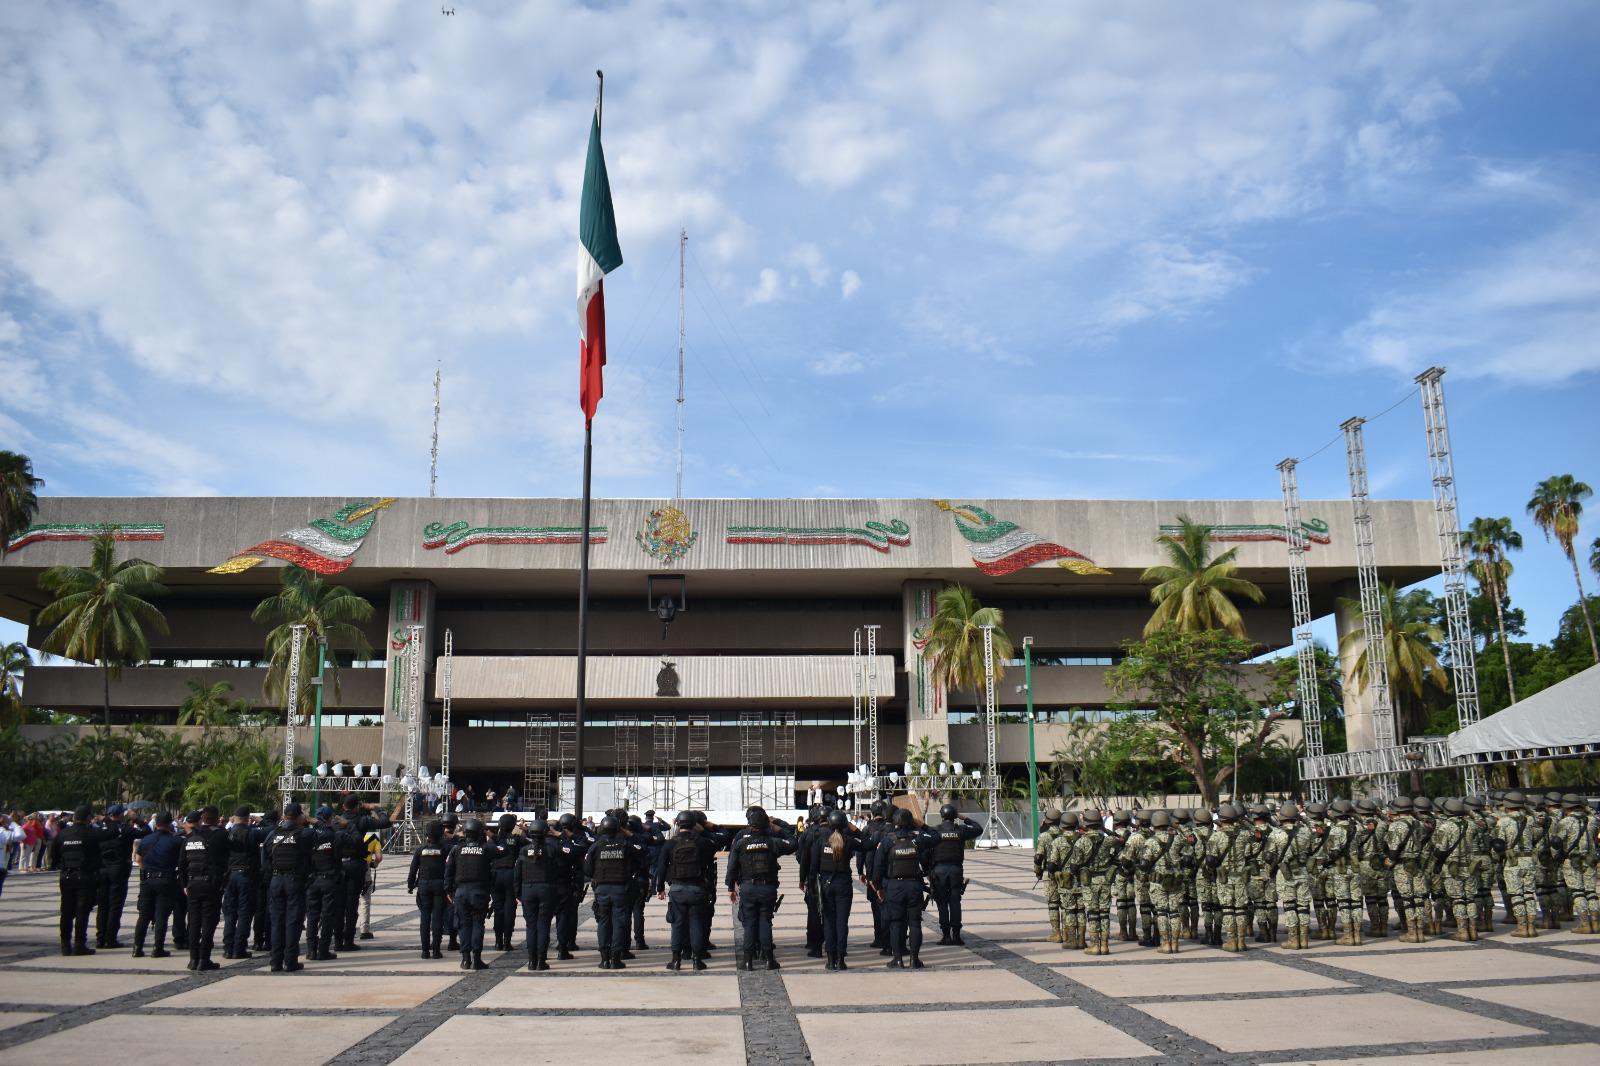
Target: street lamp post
316	727
1033	765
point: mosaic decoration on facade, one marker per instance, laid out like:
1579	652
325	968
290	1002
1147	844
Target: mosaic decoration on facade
407	610
324	546
927	691
999	547
458	535
879	536
1315	531
86	531
666	534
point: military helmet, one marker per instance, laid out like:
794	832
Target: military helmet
1317	811
1514	799
1401	804
1422	803
1069	819
1053	816
1453	806
684	820
1473	803
904	819
1572	802
1288	813
609	825
1160	819
1257	811
473	828
1181	816
1364	807
1227	812
1141	817
1199	815
1122	818
948	812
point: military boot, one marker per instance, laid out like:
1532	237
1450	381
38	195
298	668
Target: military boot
916	961
1173	942
1347	938
1591	926
896	963
1055	928
1525	928
832	963
746	959
477	961
772	959
676	962
1356	939
1125	924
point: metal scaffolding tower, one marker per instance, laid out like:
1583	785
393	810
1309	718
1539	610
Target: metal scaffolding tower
446	677
566	761
297	638
663	761
783	761
625	767
1383	731
857	695
1463	660
1309	690
536	762
697	764
991	772
413	718
751	771
872	697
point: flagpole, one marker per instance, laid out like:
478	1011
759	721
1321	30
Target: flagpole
583	563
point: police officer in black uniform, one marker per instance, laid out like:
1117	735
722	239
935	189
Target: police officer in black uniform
902	859
76	852
468	873
643	884
352	850
721	839
752	881
239	893
502	883
816	824
683	864
948	880
540	873
577	842
260	940
203	874
116	862
325	889
159	853
287	854
871	836
831	885
612	863
426	881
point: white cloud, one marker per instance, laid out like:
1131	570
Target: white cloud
767	289
834	364
836	145
1169	279
809	258
10	329
1529	312
849	284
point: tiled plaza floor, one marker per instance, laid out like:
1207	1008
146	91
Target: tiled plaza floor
1009	996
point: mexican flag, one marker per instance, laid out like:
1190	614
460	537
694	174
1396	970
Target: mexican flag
598	255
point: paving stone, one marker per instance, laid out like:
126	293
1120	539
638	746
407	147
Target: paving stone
56	989
1570	1002
1557	1055
18	1017
285	992
907	986
1196	979
1056	1034
161	1038
111	959
1327	1021
668	991
566	1040
1478	965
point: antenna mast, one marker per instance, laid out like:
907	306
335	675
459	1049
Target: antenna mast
433	462
683	244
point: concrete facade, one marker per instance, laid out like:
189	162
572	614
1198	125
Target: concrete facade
775	591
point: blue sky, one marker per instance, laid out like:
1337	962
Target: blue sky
1098	250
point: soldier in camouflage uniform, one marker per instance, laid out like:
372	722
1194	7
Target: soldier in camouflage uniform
1520	836
1574	845
1403	858
1093	857
1452	858
1316	876
1230	853
1047	835
1208	927
1142	919
1554	904
1164	856
1284	858
1189	911
1263	886
1374	876
1122	886
1067	896
1479	833
1342	868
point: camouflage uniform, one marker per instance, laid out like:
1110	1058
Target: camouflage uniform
1403	848
1093	856
1574	843
1164	855
1520	836
1437	900
1343	870
1479	832
1204	913
1554	902
1285	855
1142	919
1068	901
1452	857
1262	913
1316	876
1373	874
1047	835
1230	853
1123	891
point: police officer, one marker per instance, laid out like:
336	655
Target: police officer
468	873
239	893
680	878
259	938
76	852
752	882
352	876
203	874
577	842
540	872
116	862
721	839
502	883
872	835
159	853
612	863
645	834
816	824
324	890
948	879
832	886
287	854
425	880
902	859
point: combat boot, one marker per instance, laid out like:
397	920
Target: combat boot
896	963
477	961
1591	926
832	963
841	965
1551	920
677	961
1055	929
745	959
1356	939
617	963
1125	925
772	959
1347	939
1525	928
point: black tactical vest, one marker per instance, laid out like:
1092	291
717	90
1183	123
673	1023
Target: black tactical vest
507	859
325	854
242	848
352	851
535	861
951	848
430	865
286	850
197	856
472	863
111	846
827	864
611	862
757	862
684	861
74	852
904	861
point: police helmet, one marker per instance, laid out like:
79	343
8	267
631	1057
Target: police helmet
473	828
435	832
837	819
1160	820
879	808
508	822
451	820
904	819
700	818
948	812
567	822
324	812
1053	816
635	824
756	817
609	825
815	812
116	810
539	827
292	810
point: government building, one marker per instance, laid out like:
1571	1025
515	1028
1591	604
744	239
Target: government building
757	672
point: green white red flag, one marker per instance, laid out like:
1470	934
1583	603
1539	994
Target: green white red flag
598	255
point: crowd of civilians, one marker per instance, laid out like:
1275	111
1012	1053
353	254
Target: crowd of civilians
26	839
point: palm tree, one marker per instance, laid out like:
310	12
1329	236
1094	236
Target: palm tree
14	662
1556	507
1594	556
208	705
18	502
100	614
332	616
1194	590
955	640
1410	636
1489	539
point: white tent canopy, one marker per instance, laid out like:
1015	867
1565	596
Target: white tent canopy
1563	715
